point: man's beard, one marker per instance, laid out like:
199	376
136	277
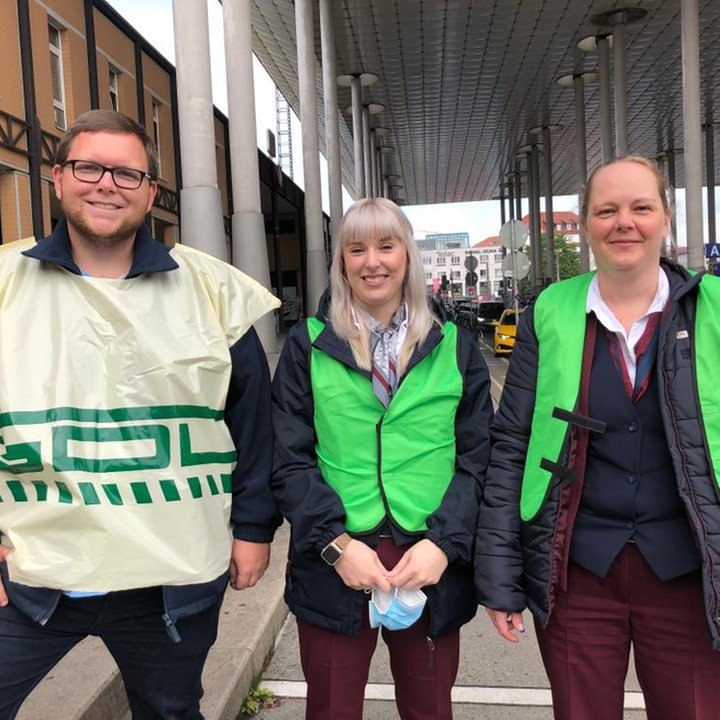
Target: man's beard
127	229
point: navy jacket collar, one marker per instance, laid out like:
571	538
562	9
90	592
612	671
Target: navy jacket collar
149	256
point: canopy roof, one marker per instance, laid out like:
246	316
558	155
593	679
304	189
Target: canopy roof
463	81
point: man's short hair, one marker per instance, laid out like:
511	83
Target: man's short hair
108	121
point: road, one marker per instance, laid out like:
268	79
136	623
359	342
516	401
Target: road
496	681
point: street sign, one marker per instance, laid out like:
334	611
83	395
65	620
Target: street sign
515	265
471	262
513	234
712	250
471	278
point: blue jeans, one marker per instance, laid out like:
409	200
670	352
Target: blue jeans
162	678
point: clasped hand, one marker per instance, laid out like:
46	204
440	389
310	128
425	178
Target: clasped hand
422	564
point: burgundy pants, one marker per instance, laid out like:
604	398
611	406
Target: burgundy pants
586	645
336	666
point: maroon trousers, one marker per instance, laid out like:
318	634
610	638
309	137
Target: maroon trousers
586	645
336	666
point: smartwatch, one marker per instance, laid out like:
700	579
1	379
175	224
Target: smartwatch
333	551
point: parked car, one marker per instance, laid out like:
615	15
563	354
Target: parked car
505	331
489	311
478	315
465	315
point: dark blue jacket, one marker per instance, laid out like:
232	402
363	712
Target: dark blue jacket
518	564
314	590
254	513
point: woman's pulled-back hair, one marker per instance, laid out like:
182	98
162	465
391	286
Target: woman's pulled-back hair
372	218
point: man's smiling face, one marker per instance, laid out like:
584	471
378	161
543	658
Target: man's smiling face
101	213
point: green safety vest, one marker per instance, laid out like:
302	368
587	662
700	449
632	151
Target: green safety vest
559	320
398	460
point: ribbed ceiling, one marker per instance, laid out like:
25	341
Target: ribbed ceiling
462	82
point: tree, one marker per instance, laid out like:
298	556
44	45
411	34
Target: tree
567	261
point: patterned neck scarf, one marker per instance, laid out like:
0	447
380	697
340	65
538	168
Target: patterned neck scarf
385	345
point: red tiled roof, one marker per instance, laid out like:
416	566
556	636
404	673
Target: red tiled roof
492	241
559	216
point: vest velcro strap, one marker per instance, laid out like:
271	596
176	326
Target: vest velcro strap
588	423
564	473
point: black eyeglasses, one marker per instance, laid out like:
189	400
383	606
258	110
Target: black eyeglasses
90	172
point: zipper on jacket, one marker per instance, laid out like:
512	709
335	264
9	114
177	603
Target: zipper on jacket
170	628
378	436
49	612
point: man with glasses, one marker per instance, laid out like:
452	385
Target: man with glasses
135	434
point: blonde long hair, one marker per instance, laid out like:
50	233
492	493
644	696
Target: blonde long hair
378	218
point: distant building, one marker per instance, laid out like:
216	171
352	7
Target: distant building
445	241
454	264
64	57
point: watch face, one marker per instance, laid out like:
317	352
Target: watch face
331	554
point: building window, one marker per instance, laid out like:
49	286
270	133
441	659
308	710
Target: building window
113	84
56	77
455	260
156	131
441	261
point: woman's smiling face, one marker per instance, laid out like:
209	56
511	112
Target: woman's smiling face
375	270
627	220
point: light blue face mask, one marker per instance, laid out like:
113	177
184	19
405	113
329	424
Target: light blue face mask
397	609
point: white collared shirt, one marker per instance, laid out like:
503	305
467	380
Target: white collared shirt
605	316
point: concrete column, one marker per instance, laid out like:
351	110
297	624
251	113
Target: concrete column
317	275
201	217
534	183
378	169
581	154
502	203
374	163
620	87
359	152
603	51
690	34
367	151
381	171
710	181
249	242
670	165
332	130
549	219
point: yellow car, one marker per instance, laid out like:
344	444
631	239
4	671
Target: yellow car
505	329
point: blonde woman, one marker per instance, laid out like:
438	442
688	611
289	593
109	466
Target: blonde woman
381	414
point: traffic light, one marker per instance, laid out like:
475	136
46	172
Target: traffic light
444	283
